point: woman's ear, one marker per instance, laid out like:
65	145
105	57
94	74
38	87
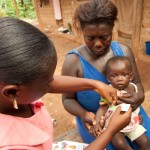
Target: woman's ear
10	91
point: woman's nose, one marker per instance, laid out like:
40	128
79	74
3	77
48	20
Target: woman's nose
98	43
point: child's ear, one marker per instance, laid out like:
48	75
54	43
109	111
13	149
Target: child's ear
10	91
107	79
131	76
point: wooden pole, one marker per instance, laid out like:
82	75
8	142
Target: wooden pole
16	8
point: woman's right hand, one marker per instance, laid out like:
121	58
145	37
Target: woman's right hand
88	119
107	92
119	120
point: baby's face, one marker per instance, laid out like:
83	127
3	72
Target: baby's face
119	74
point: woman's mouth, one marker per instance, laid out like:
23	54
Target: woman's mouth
99	51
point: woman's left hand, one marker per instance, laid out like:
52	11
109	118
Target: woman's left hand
88	119
133	99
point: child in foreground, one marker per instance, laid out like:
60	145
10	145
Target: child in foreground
27	63
119	74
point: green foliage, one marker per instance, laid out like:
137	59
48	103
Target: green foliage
26	10
2	13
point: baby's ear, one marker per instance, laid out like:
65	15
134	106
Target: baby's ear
131	76
107	79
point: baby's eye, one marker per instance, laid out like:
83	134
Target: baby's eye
125	75
113	76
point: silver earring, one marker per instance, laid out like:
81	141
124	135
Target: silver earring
15	104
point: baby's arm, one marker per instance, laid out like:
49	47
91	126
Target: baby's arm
97	129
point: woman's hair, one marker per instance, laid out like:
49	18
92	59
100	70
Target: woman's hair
95	12
26	53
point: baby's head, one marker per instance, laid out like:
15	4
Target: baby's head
27	60
119	72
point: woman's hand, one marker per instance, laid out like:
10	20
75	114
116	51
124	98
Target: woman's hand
133	99
97	130
119	120
88	119
107	92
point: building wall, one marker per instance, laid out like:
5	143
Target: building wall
45	13
144	31
68	7
145	27
46	16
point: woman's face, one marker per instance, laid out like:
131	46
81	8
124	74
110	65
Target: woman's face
34	90
97	37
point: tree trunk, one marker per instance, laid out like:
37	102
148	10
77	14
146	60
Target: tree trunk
22	2
16	8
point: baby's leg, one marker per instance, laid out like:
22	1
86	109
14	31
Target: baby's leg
142	142
120	143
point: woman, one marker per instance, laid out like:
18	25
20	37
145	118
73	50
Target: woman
96	20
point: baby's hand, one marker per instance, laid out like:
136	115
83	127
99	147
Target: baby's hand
120	93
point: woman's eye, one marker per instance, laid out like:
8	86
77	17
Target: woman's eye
90	38
104	38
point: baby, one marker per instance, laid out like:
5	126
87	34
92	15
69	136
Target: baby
119	74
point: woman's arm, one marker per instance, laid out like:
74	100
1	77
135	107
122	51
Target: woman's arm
113	127
72	67
63	84
136	98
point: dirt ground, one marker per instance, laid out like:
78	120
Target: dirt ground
53	102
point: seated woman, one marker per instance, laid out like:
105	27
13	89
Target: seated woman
96	20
